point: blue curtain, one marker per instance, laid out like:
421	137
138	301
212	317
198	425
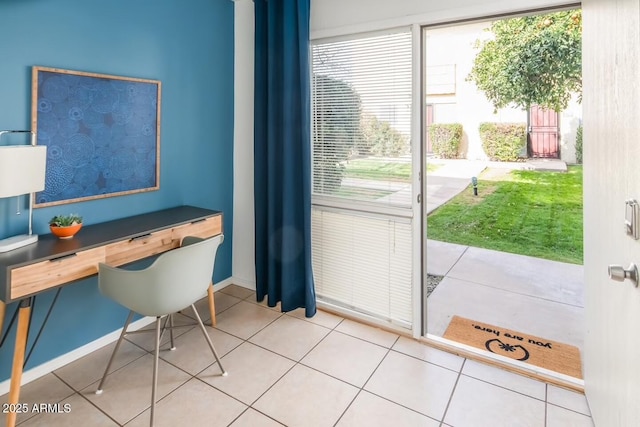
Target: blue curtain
283	155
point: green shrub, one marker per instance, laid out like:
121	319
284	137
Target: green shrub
503	141
379	138
445	139
579	145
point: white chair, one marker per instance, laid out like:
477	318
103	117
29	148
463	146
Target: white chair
173	282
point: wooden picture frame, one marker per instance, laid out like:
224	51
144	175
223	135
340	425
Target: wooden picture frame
102	134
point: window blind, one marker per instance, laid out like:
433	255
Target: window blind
362	187
363	263
361	97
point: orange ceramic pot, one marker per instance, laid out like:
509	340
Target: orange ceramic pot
65	232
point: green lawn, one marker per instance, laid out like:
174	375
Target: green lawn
382	170
379	170
361	192
526	212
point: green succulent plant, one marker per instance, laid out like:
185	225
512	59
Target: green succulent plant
65	220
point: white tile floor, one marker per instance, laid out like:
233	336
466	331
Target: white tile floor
288	370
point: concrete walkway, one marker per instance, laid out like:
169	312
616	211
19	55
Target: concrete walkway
458	168
531	295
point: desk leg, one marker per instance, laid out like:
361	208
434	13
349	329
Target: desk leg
18	358
3	311
212	304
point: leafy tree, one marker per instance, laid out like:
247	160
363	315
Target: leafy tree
531	60
336	121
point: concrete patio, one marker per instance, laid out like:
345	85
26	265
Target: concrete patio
531	295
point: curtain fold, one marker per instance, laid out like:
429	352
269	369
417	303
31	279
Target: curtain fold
282	155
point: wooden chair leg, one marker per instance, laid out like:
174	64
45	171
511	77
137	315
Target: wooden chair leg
212	304
18	361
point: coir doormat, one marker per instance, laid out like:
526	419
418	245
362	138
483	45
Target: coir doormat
537	351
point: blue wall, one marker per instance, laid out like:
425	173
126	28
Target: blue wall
188	46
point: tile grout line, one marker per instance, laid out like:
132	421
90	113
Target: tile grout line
296	363
546	404
505	388
453	390
282	376
299	362
158	401
191	376
426	361
81	394
569	409
361	389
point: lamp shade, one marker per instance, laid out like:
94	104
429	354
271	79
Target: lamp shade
22	169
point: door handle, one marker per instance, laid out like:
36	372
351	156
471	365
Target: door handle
620	274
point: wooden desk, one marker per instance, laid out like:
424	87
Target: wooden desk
51	263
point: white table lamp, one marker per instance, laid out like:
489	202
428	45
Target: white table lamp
22	171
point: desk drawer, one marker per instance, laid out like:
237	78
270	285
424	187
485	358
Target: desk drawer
47	274
207	228
120	253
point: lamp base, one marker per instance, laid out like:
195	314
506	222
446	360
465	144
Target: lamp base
16	242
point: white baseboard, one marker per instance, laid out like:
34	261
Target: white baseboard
60	361
244	283
223	283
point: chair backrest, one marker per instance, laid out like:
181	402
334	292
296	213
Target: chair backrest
174	281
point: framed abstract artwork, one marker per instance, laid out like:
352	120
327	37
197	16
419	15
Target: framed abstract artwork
102	134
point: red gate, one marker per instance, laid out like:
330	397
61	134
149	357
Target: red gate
543	132
429	122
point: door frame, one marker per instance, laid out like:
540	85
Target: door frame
420	295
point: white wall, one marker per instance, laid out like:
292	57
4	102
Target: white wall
468	106
570	119
243	231
328	18
339	17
